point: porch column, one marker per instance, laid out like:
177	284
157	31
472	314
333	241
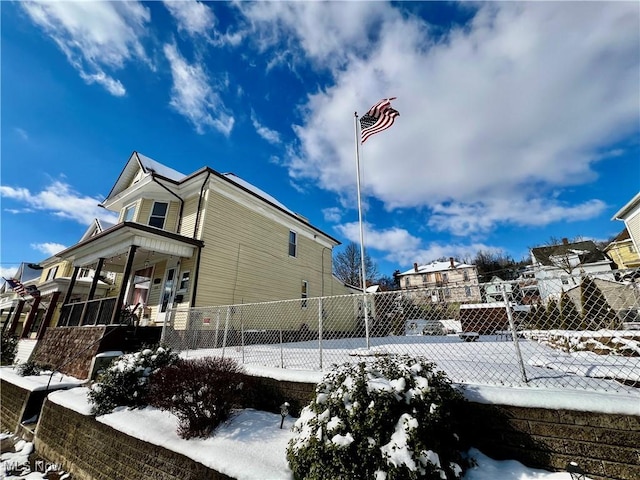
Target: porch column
72	282
30	317
8	319
123	286
16	318
92	291
48	314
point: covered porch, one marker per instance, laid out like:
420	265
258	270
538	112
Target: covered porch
140	264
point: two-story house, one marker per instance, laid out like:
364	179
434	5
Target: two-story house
623	252
630	215
201	239
558	268
450	281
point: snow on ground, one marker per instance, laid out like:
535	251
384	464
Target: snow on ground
249	446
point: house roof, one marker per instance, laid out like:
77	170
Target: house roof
586	251
25	273
628	208
436	267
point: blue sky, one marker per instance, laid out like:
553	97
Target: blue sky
518	121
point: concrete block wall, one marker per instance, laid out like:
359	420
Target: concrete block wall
13	400
90	450
606	446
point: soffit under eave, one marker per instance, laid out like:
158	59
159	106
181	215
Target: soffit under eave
127	174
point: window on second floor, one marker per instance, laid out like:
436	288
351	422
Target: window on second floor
84	272
51	274
129	212
465	275
293	243
158	214
445	277
407	282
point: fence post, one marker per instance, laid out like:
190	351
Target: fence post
281	346
320	330
514	333
226	331
217	327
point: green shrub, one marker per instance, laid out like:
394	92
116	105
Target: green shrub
200	392
125	383
8	349
387	419
31	368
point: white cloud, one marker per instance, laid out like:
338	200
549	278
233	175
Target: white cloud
22	133
269	135
332	214
494	118
8	272
193	96
48	248
404	249
60	200
193	17
94	36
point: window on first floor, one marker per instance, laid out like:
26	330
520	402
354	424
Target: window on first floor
184	281
467	291
158	214
304	293
293	243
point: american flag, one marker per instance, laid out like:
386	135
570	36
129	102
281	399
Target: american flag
379	117
16	286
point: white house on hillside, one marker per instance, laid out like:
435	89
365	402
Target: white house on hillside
558	268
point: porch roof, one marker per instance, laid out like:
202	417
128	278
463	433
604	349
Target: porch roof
113	244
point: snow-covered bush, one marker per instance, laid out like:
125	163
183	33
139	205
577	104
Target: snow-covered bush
386	419
31	367
8	348
200	392
125	382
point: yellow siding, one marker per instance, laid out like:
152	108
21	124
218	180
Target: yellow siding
246	259
189	214
144	210
173	213
623	253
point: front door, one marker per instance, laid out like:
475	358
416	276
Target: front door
168	291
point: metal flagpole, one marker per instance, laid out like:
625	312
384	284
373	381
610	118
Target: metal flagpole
363	273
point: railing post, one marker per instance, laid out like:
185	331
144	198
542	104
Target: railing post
514	333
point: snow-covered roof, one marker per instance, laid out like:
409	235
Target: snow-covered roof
151	165
436	267
252	188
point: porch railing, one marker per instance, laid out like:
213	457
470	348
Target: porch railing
98	312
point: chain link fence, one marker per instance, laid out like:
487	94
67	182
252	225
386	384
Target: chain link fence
580	332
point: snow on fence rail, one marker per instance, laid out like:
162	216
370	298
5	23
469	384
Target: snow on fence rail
568	333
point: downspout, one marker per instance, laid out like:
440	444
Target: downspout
153	177
195	229
195	234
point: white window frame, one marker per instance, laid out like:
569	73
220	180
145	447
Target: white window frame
184	282
293	245
51	274
129	213
154	216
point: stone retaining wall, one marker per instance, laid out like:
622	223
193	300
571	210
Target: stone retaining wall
13	401
606	446
90	450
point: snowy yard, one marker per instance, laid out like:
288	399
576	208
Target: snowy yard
488	361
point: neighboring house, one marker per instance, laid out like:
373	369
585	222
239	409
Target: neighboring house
16	309
493	290
528	287
630	215
623	252
557	268
622	297
450	281
194	240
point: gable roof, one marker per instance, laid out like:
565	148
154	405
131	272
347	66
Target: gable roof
437	267
631	205
586	251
